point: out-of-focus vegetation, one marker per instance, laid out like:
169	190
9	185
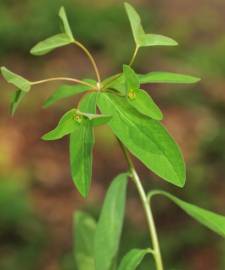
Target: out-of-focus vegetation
36	214
22	235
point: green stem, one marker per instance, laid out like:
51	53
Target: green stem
148	211
91	58
134	56
63	79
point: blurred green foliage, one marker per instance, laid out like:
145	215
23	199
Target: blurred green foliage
23	23
21	232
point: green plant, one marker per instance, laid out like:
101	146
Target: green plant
135	119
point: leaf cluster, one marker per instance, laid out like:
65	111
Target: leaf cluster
135	119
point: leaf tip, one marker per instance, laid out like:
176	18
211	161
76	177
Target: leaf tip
196	79
127	5
46	104
83	191
62	11
44	137
2	68
33	51
48	137
3	71
173	42
182	182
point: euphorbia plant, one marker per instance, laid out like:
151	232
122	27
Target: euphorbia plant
134	118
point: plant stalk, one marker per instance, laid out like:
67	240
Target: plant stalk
91	58
134	56
147	208
63	79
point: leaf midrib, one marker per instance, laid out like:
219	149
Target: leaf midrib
158	146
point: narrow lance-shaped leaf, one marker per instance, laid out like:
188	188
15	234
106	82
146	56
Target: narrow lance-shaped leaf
138	98
63	17
156	40
141	38
166	77
84	228
154	77
16	80
109	227
81	147
16	99
49	44
133	259
213	221
65	91
146	138
55	41
67	124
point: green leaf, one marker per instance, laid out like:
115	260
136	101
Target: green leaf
55	41
16	99
87	108
132	259
131	79
166	77
16	80
156	40
81	147
85	227
146	138
152	77
141	38
88	103
50	44
66	125
141	100
63	17
97	119
109	227
214	222
65	91
117	83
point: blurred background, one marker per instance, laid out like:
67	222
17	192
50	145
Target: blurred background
37	196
